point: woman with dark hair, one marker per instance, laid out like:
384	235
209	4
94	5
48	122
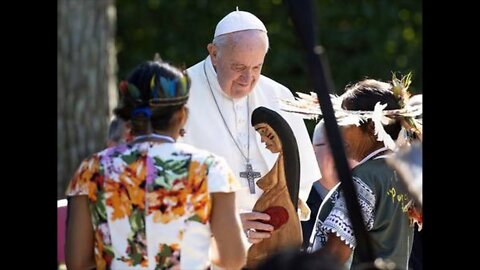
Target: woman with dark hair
371	116
153	203
280	187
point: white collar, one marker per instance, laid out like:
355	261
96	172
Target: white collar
212	77
155	136
369	156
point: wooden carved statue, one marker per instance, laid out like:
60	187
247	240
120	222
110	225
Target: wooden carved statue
280	186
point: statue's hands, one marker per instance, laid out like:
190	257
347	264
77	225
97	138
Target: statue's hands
255	230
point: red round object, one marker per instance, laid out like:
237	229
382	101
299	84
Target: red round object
123	87
278	216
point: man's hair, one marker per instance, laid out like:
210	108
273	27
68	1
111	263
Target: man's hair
151	95
223	40
363	95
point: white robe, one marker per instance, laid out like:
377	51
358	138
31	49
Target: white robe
206	129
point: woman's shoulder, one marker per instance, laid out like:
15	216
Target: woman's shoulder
197	153
372	166
373	172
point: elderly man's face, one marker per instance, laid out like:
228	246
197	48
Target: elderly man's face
239	63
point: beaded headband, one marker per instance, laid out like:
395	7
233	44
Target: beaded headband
163	92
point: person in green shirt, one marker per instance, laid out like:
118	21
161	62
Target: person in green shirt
373	113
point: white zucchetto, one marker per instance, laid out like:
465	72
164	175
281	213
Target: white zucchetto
238	21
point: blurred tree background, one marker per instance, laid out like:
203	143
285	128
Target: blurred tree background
86	81
362	38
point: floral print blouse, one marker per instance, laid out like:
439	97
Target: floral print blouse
150	204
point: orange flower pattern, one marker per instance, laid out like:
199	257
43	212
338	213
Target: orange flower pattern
147	194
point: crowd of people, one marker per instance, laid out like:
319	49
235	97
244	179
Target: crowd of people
203	168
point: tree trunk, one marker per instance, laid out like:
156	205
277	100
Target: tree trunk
86	81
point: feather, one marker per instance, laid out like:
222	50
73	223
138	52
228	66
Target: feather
311	98
350	120
183	85
379	120
168	87
305	105
400	87
153	88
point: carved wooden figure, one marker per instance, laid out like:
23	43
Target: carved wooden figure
280	186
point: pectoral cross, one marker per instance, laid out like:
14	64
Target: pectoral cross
250	175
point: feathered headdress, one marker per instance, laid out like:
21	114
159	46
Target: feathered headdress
308	107
163	91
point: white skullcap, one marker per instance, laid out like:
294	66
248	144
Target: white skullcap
238	21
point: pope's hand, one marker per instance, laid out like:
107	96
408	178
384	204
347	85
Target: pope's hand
256	230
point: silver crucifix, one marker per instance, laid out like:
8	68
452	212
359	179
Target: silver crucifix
250	175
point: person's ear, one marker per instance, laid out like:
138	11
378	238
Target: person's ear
212	51
180	116
184	114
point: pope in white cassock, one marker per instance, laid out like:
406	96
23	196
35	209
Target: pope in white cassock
226	87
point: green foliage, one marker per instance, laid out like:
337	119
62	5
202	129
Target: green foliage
370	38
171	171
